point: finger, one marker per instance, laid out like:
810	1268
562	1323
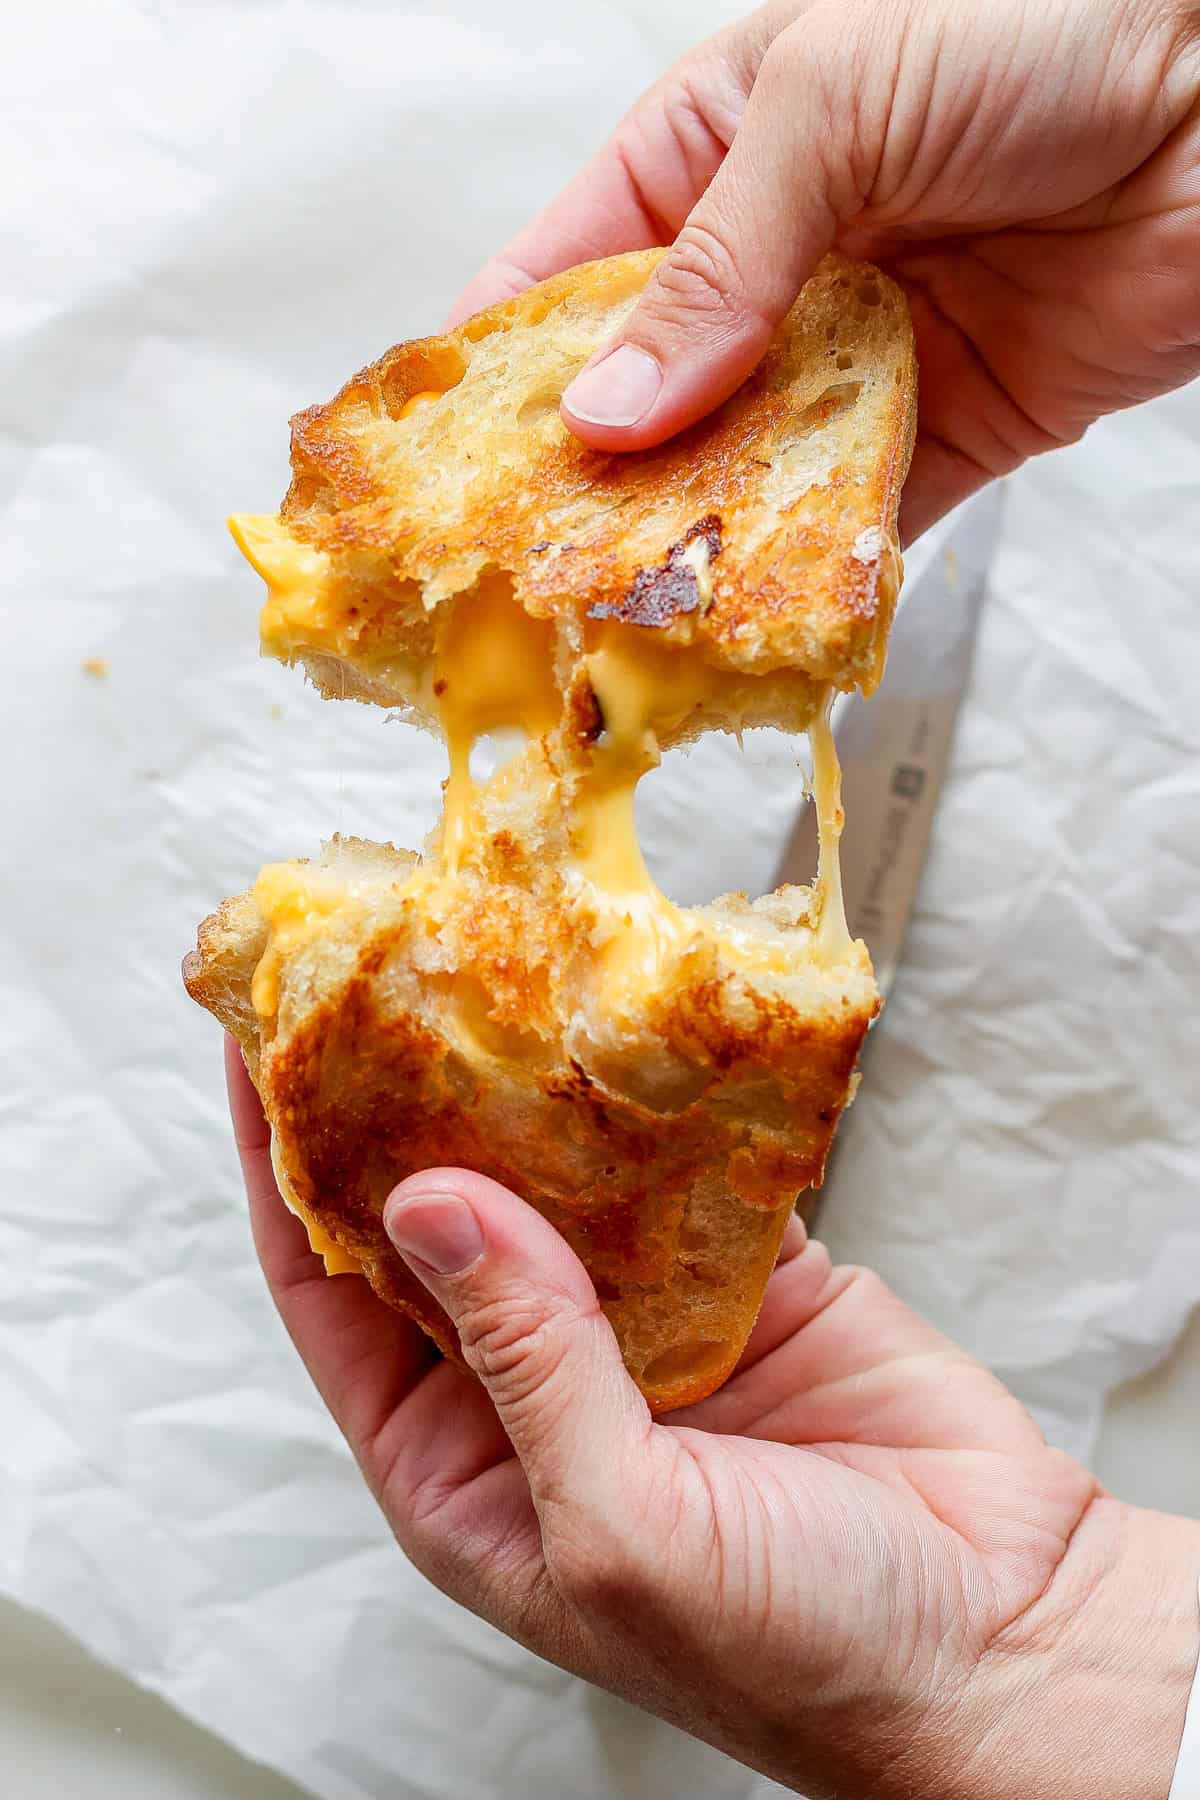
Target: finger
971	428
940	476
798	1290
637	191
600	213
795	1237
364	1357
792	1294
851	1363
532	1329
796	168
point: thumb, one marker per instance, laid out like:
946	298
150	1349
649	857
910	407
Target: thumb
770	213
531	1328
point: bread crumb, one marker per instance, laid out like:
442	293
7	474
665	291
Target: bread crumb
97	666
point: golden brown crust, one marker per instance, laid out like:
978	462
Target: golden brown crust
796	480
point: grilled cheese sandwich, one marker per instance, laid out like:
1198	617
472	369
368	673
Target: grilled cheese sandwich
660	1081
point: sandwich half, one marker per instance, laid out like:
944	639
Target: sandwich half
660	1082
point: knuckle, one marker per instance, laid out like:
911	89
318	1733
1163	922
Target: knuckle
795	1240
819	1263
869	1287
776	74
515	1339
700	276
827	62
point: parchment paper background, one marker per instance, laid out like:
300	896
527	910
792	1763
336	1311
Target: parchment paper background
210	215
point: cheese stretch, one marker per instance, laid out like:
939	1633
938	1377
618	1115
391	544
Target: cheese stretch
495	668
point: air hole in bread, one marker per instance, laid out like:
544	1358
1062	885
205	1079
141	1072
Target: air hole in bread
868	292
702	1357
542	404
420	369
819	413
845	360
473	1018
660	1084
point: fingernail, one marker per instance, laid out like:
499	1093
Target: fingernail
437	1229
618	390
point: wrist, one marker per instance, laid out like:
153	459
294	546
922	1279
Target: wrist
1086	1692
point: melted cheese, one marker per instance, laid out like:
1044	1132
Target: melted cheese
337	1261
301	610
415	402
295	899
833	937
493	670
646	689
297	612
643	689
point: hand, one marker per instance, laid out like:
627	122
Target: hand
857	1568
1030	174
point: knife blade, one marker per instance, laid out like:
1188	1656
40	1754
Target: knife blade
895	748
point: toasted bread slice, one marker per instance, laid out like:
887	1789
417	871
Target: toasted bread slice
659	1082
763	537
666	1134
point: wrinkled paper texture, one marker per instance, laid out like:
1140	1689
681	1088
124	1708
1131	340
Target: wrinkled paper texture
213	215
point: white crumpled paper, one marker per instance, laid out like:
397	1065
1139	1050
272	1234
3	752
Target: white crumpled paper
212	215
